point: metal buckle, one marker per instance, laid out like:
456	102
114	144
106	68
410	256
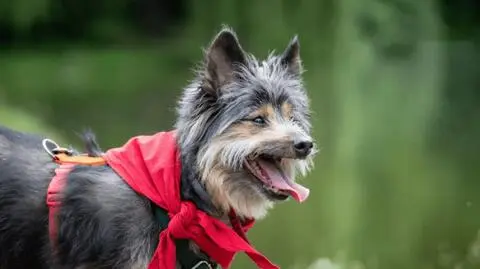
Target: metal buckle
200	263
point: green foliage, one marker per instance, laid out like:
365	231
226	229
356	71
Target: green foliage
22	14
25	122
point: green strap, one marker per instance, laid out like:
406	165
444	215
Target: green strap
185	256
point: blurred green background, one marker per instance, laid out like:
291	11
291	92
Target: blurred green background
394	87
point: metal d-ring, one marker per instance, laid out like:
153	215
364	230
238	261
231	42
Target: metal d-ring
50	152
197	266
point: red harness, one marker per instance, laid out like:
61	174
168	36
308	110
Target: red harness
55	188
53	198
150	165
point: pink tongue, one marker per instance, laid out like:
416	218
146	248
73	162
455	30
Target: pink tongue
283	182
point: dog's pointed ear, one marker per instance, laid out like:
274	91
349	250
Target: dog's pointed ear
291	57
222	58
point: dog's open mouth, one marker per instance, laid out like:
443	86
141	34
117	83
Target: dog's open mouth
275	181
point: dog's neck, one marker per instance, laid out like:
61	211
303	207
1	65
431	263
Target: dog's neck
193	190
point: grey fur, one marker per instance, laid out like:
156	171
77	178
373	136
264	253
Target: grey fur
103	223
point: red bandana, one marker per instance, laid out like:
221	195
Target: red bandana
151	166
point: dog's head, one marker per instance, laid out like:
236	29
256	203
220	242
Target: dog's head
244	127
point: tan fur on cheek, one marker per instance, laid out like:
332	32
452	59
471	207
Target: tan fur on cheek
228	192
213	180
245	198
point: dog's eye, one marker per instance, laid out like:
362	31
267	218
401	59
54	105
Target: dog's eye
259	120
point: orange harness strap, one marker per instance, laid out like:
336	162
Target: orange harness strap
63	158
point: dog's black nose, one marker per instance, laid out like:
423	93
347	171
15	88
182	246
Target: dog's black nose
303	148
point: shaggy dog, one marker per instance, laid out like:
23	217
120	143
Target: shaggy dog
238	118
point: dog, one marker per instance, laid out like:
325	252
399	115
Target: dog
237	119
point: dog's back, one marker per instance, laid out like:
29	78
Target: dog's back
103	223
25	171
